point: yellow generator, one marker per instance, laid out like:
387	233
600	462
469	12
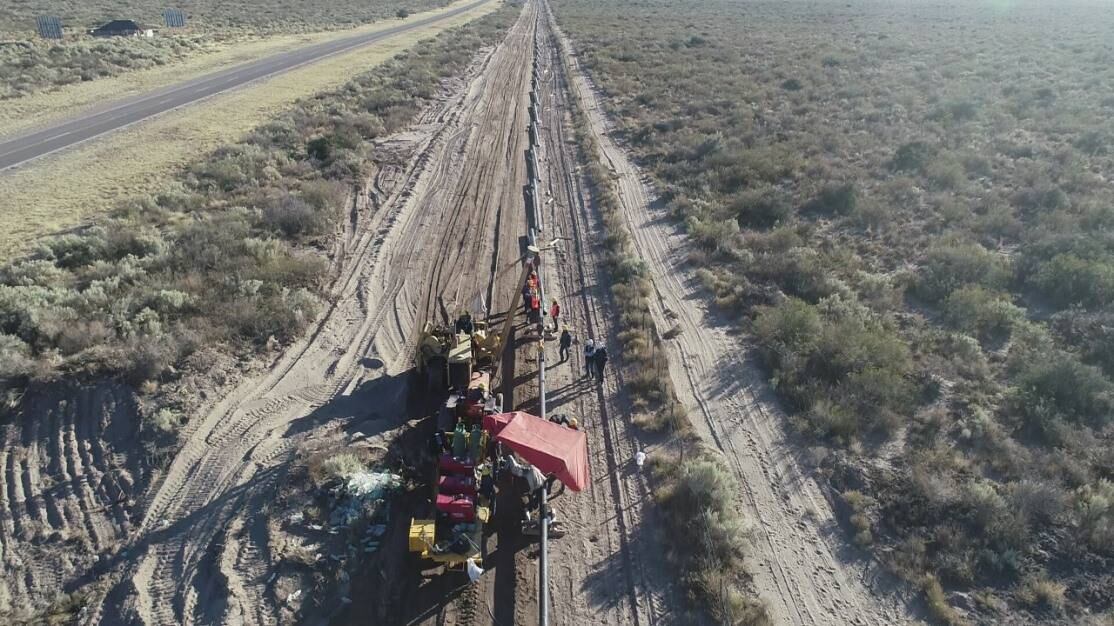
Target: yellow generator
463	489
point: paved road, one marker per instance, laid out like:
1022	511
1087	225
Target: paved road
20	149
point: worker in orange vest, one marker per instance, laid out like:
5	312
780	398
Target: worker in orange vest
535	307
555	312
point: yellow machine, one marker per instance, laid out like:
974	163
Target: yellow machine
445	358
464	364
461	505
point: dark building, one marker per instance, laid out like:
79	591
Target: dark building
118	28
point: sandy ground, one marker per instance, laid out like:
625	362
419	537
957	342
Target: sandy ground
69	476
804	567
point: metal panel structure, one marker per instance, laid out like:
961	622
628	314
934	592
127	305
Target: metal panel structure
175	18
49	26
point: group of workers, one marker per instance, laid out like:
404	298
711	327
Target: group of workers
595	358
595	352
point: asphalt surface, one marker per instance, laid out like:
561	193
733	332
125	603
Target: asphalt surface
20	149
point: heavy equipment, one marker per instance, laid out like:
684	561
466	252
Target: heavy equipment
461	361
458	361
462	502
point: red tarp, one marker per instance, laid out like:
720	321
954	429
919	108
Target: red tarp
552	448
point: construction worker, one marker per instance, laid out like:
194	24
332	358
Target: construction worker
535	308
555	312
487	482
565	420
464	324
600	357
535	480
565	343
527	292
589	356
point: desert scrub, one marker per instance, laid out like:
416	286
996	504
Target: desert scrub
695	490
258	16
917	236
28	67
234	255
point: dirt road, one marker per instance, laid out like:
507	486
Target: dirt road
607	568
801	557
424	236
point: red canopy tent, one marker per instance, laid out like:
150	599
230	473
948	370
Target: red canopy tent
552	448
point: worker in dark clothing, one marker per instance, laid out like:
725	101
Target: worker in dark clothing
437	444
589	357
487	483
566	343
464	324
600	357
527	292
565	420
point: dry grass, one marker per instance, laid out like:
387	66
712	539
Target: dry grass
17	17
908	207
56	193
695	492
40	109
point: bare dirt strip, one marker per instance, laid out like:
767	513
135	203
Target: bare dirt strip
68	476
804	567
607	569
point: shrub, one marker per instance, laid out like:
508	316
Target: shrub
836	198
981	313
1039	591
1038	501
938	603
1055	385
292	217
1094	505
1092	142
763	207
1068	279
848	372
948	268
913	157
792	84
320	148
15	358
